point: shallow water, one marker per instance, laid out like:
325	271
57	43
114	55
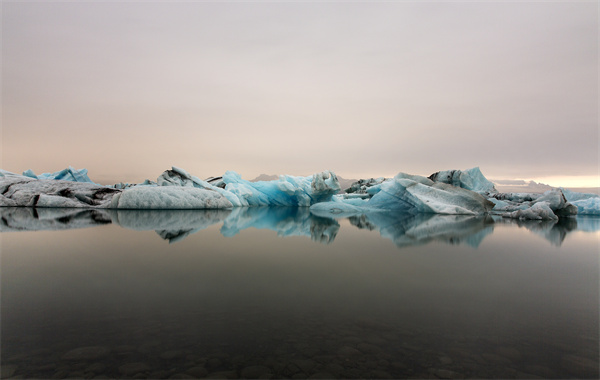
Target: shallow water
281	293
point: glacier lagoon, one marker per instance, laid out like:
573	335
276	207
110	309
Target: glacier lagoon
281	292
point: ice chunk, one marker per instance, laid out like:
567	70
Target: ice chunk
168	197
508	204
470	179
572	196
68	174
286	191
411	193
179	177
361	186
29	173
586	203
24	191
540	210
590	206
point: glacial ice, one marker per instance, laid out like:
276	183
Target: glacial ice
586	203
470	179
17	190
168	197
286	191
548	206
411	193
451	192
68	174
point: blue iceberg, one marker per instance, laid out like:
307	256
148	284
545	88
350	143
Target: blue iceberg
411	193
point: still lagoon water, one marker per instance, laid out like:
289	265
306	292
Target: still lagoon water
281	293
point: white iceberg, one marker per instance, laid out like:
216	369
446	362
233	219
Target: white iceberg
19	190
173	198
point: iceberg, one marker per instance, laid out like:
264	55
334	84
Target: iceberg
163	197
450	192
19	190
286	191
547	206
68	174
586	203
411	193
470	179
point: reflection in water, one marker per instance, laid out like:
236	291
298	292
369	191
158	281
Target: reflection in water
111	303
554	231
40	219
286	221
409	230
171	225
404	229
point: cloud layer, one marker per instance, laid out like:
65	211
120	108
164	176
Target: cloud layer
129	89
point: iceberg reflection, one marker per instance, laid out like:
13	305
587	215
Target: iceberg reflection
418	229
47	219
286	221
403	229
171	225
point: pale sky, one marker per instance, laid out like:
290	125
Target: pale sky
128	89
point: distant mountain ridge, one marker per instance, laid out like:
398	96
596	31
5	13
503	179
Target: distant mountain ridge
521	186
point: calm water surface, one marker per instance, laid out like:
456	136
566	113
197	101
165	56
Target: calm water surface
281	293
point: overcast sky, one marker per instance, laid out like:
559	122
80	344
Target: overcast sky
128	89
